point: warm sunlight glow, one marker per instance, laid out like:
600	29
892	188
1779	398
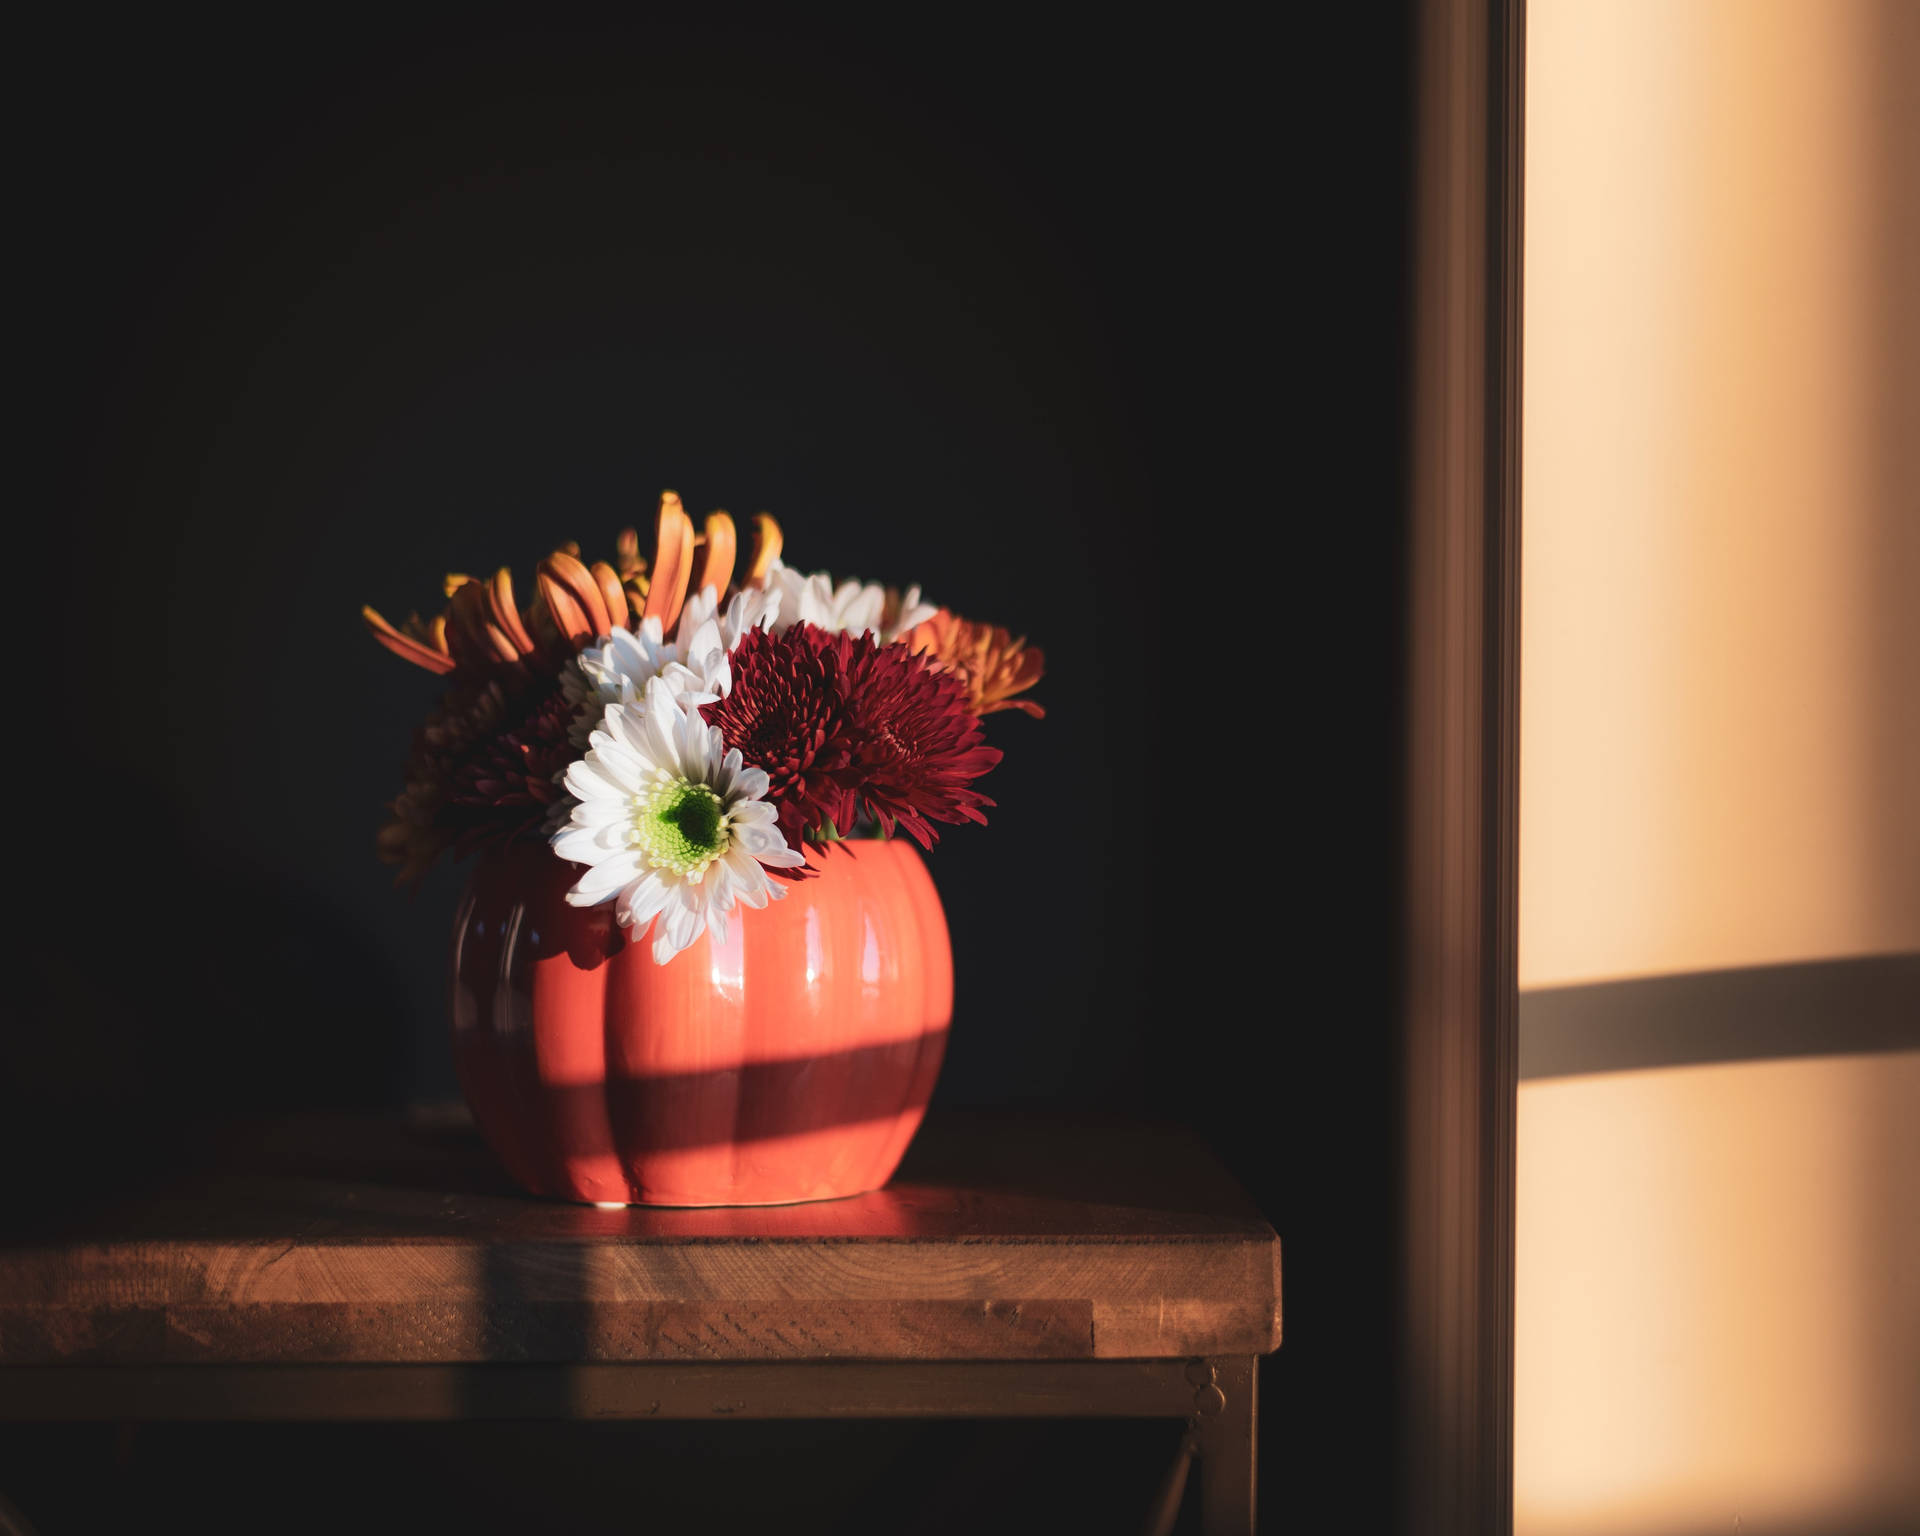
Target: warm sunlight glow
1720	727
1717	1272
1718	1266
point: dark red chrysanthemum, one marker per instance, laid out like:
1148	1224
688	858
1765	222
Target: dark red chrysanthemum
787	714
481	771
515	768
844	727
913	742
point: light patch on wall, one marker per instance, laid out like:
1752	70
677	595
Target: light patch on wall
1717	1274
1718	765
1718	1264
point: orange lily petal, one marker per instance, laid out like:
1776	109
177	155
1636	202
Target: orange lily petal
505	614
672	562
547	639
766	547
611	592
502	643
713	558
579	582
468	620
568	617
403	647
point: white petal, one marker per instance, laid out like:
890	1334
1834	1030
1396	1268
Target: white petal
604	879
677	927
701	641
577	846
623	765
760	840
627	730
612	837
693	745
657	725
588	782
749	880
698	610
640	900
604	811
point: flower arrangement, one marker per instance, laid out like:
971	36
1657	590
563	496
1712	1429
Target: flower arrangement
695	728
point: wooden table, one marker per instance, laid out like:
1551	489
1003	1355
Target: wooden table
361	1269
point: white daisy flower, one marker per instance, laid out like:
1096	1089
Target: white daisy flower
852	607
706	637
673	827
618	669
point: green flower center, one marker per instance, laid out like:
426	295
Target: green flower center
681	827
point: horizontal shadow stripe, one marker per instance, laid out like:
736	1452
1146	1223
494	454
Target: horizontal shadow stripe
866	1085
1823	1008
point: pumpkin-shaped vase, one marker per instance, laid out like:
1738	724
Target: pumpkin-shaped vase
790	1061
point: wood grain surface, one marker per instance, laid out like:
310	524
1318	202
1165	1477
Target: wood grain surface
321	1241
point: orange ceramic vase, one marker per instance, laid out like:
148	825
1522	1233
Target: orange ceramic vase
792	1061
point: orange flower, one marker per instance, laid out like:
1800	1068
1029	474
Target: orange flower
482	634
990	661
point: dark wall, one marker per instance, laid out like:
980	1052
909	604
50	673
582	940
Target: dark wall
1095	332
